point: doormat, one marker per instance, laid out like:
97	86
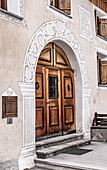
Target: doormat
77	151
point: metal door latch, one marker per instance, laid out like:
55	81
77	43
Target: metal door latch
47	103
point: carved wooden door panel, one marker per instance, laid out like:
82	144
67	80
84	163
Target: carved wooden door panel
40	93
54	91
68	101
48	101
53	101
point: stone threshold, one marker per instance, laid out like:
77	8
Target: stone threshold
58	140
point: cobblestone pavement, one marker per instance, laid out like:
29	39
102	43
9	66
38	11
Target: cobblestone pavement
97	158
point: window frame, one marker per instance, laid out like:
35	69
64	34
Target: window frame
101	14
61	12
99	57
9	13
13	100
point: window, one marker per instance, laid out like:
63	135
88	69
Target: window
102	70
9	106
12	6
101	25
63	5
53	87
102	4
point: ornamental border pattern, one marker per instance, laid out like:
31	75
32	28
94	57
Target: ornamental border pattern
54	30
14	19
85	23
22	8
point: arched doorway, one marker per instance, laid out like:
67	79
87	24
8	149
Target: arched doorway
56	31
55	93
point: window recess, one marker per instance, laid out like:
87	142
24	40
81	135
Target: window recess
102	70
101	25
62	5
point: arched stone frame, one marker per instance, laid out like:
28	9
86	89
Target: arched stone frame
48	32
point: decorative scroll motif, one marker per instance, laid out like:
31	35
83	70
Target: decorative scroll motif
85	23
11	18
48	32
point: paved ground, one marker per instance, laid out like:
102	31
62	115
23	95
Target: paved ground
95	159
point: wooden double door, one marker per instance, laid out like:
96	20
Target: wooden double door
55	95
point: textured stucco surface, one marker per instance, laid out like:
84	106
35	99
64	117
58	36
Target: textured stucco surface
9	165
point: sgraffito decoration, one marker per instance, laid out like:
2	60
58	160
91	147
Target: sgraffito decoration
46	33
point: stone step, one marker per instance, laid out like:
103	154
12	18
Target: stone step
54	150
58	140
43	164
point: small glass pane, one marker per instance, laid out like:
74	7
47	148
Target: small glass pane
53	87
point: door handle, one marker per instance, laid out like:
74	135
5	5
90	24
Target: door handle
49	102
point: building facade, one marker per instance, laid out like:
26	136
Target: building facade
43	42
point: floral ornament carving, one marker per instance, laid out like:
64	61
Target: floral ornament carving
47	33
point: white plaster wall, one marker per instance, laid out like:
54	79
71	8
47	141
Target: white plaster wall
14	41
13	6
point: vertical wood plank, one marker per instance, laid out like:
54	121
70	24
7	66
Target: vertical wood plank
98	70
60	110
104	28
4	4
47	97
65	6
62	91
54	54
104	72
44	88
0	3
101	4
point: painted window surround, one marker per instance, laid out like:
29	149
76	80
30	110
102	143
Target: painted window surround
60	14
104	54
102	15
